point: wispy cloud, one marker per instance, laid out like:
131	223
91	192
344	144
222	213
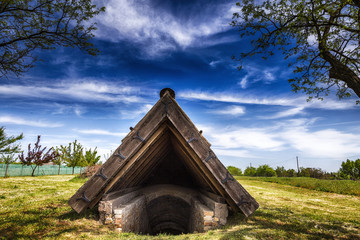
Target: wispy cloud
158	28
66	109
230	110
243	82
286	113
243	138
132	114
256	74
85	90
230	97
28	122
291	136
100	132
326	143
233	153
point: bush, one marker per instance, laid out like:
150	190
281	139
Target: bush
250	171
265	171
280	171
234	171
90	171
350	169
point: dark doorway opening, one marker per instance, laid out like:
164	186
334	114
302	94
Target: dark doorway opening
168	214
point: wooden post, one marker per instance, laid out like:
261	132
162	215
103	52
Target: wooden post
297	162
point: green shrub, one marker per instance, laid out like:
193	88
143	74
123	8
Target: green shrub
265	171
250	171
234	171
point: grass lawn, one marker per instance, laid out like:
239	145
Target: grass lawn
348	187
36	207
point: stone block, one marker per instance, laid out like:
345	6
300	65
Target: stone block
105	206
208	223
108	221
118	220
118	211
208	213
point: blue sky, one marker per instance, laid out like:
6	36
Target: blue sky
249	116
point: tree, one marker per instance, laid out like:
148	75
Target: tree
234	171
265	171
73	154
37	156
91	158
280	171
350	169
321	37
357	166
7	144
291	173
29	25
250	171
7	159
59	159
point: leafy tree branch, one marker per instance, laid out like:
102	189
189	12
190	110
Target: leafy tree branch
28	25
322	37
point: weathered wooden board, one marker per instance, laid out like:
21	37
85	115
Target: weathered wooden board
140	165
90	193
201	147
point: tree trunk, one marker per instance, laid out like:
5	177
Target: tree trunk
340	71
7	165
32	174
348	76
59	169
73	170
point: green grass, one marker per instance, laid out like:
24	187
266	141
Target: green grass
348	187
36	207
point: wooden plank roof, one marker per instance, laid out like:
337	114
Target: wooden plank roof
165	132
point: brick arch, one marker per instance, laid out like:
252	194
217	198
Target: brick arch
168	214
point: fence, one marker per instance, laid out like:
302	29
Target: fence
21	170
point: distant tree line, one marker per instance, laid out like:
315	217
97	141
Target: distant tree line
349	170
72	155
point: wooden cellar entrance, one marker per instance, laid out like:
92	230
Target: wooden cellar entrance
164	178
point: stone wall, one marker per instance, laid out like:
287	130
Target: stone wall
160	208
132	217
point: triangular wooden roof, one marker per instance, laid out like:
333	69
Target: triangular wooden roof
165	129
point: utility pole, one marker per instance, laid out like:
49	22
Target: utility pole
297	162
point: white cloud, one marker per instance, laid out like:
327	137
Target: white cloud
100	132
157	28
312	40
287	113
230	110
28	122
291	136
232	153
256	74
214	63
327	143
126	114
243	83
233	98
82	90
243	138
66	109
230	97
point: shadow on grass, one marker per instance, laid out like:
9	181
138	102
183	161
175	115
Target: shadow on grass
87	214
279	223
48	221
